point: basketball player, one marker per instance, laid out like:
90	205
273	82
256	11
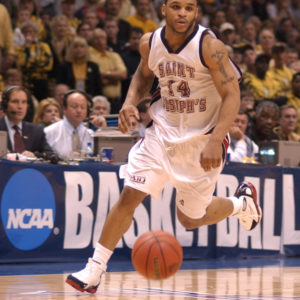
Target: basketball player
186	144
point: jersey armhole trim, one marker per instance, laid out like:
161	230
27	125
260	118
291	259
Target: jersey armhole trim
150	40
205	32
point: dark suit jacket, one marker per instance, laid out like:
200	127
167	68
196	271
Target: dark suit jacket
33	136
93	79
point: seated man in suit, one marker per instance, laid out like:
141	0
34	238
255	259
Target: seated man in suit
69	137
23	137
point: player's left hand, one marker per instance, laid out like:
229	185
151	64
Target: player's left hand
128	116
211	156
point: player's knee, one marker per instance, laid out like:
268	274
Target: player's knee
187	222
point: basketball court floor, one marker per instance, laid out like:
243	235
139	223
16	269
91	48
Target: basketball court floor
253	279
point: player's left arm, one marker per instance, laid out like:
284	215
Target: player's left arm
225	79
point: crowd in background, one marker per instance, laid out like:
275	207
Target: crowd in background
51	47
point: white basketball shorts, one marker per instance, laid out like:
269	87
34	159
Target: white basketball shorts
153	163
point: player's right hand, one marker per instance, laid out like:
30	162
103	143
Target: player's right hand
128	117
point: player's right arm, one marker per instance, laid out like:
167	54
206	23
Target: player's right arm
139	88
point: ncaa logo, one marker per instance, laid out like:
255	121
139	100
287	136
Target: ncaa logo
28	209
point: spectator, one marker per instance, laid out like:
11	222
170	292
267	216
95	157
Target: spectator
259	83
258	24
209	8
237	57
35	60
12	9
23	137
101	106
295	9
111	28
48	112
126	10
267	115
23	16
279	11
247	103
238	25
291	57
113	9
78	72
249	57
287	124
140	18
131	57
46	19
294	98
68	10
241	146
284	27
48	6
60	40
245	8
33	8
231	12
14	77
227	32
217	19
7	52
84	30
92	18
112	69
90	4
59	92
249	34
280	72
266	42
291	37
69	137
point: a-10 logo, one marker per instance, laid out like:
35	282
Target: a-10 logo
28	209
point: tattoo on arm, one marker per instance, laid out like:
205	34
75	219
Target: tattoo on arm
224	82
218	56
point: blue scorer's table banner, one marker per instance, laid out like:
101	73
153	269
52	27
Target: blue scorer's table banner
56	213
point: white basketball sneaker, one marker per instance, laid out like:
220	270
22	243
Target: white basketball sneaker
250	214
88	279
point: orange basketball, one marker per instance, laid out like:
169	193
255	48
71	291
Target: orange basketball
156	254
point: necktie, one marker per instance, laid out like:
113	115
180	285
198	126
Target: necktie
18	140
75	142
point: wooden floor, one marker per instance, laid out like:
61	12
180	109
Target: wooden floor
245	283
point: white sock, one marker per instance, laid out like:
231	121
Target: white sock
102	254
237	205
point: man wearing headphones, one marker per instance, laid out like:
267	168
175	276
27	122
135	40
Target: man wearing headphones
70	137
23	137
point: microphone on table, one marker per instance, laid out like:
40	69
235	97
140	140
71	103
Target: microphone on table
52	157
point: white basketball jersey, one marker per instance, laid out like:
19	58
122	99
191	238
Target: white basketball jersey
189	103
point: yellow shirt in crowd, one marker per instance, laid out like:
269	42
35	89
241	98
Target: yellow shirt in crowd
109	62
284	76
267	88
295	101
146	24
